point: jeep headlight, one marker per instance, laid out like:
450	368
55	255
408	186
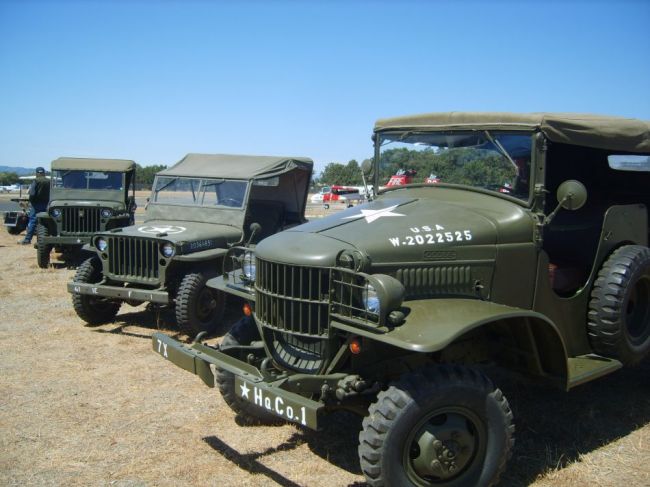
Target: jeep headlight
55	212
248	266
167	249
101	244
106	213
370	299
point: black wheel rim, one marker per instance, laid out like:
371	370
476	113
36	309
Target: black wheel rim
443	446
637	311
206	304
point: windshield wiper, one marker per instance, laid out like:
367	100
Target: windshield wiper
501	149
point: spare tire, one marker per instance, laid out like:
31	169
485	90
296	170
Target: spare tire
619	311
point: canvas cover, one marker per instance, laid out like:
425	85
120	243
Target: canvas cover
597	131
83	164
230	166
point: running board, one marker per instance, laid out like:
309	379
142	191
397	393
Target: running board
585	368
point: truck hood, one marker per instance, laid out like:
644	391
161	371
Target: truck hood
211	235
413	226
62	203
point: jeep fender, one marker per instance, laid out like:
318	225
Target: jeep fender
431	325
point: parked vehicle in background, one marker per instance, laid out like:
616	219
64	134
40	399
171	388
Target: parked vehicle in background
198	209
15	221
86	196
345	195
391	310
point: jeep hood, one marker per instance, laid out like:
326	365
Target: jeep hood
406	225
210	235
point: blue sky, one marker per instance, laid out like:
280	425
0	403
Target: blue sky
152	81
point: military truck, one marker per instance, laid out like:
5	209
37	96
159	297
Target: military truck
198	209
530	253
86	196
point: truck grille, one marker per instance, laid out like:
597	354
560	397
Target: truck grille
133	258
290	298
76	221
292	305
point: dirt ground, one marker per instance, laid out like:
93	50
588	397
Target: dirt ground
86	405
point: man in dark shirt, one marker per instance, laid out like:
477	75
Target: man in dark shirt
39	197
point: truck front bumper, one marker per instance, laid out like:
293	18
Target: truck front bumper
250	385
122	293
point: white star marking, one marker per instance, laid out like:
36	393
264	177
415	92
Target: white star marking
372	215
161	229
244	390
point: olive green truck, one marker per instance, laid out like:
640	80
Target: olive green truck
527	249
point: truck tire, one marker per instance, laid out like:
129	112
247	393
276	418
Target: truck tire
14	230
443	425
248	414
92	309
42	249
619	310
198	308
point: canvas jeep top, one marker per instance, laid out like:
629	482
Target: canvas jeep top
198	209
528	251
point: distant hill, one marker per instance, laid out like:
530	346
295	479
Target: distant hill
21	171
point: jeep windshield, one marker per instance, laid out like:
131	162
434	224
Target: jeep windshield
91	180
170	190
496	161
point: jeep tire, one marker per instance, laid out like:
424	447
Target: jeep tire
93	310
43	250
619	311
442	425
198	308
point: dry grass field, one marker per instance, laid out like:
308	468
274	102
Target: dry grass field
86	405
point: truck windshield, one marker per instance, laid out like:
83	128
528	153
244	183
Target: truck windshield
172	190
496	161
77	179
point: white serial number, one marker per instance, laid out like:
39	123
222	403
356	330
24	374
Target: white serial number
431	238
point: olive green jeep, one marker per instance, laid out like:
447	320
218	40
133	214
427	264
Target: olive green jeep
199	208
86	196
517	240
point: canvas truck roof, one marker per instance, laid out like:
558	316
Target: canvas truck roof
598	131
78	163
231	166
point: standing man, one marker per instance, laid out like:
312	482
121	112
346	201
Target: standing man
39	197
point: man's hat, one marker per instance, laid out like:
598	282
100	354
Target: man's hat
40	170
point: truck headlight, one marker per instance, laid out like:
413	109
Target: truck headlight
106	213
248	266
381	295
370	299
167	249
101	244
55	212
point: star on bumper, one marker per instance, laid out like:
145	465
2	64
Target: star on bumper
244	390
372	215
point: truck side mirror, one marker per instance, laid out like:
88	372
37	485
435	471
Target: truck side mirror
572	195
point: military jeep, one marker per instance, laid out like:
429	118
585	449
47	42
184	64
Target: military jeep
529	251
86	196
198	209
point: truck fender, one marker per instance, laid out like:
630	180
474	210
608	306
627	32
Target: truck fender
431	325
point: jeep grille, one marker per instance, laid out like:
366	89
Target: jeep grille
133	258
77	221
